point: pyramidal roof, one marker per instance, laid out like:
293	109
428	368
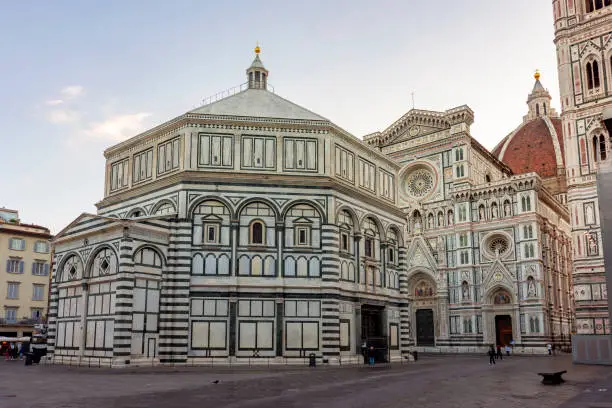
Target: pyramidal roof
257	101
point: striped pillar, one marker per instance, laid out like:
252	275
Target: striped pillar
52	312
330	333
405	312
330	265
122	341
174	302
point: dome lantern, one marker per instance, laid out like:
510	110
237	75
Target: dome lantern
257	74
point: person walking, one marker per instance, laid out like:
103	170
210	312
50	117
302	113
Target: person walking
491	355
499	353
507	350
549	348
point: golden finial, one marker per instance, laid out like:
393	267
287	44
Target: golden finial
537	75
257	49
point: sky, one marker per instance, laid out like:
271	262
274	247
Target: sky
79	76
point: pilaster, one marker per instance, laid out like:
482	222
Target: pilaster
124	292
174	307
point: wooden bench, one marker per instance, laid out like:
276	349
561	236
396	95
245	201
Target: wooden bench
553	378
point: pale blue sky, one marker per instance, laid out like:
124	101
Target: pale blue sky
78	76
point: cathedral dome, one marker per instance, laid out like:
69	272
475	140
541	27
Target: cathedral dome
537	144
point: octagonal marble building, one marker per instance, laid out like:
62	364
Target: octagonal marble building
252	229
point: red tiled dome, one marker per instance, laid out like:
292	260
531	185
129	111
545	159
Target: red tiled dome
531	148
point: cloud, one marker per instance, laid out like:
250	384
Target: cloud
73	91
54	102
59	116
118	127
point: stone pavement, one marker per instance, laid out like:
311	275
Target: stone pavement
433	381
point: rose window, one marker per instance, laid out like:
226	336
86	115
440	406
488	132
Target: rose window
419	183
498	245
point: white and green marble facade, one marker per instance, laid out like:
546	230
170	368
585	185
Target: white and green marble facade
417	217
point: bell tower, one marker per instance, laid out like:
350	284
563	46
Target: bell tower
583	37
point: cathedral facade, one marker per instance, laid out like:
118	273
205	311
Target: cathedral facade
583	38
252	228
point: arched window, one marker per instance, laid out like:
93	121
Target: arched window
602	148
537	109
526	203
487	178
257	233
594	149
592	73
544	105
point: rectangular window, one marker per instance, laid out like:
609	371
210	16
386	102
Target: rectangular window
302	308
258	152
17	244
302	335
345	335
303	236
344	241
211	233
36	313
12	290
300	154
387	185
41	247
369	247
14	266
256	308
216	151
142	168
391	252
367	175
345	162
464	257
168	156
256	335
38	292
209	307
40	269
10	314
119	174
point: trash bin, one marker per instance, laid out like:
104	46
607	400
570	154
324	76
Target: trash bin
312	360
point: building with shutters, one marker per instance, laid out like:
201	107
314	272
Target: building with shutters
25	260
252	229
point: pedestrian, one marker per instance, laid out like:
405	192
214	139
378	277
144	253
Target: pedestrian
371	353
491	355
549	348
499	353
507	350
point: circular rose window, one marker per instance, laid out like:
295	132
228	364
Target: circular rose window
497	245
419	183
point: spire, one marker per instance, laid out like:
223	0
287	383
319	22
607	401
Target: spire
257	74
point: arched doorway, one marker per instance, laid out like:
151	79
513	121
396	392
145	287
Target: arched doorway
424	296
503	322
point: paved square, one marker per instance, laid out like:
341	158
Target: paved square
433	381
